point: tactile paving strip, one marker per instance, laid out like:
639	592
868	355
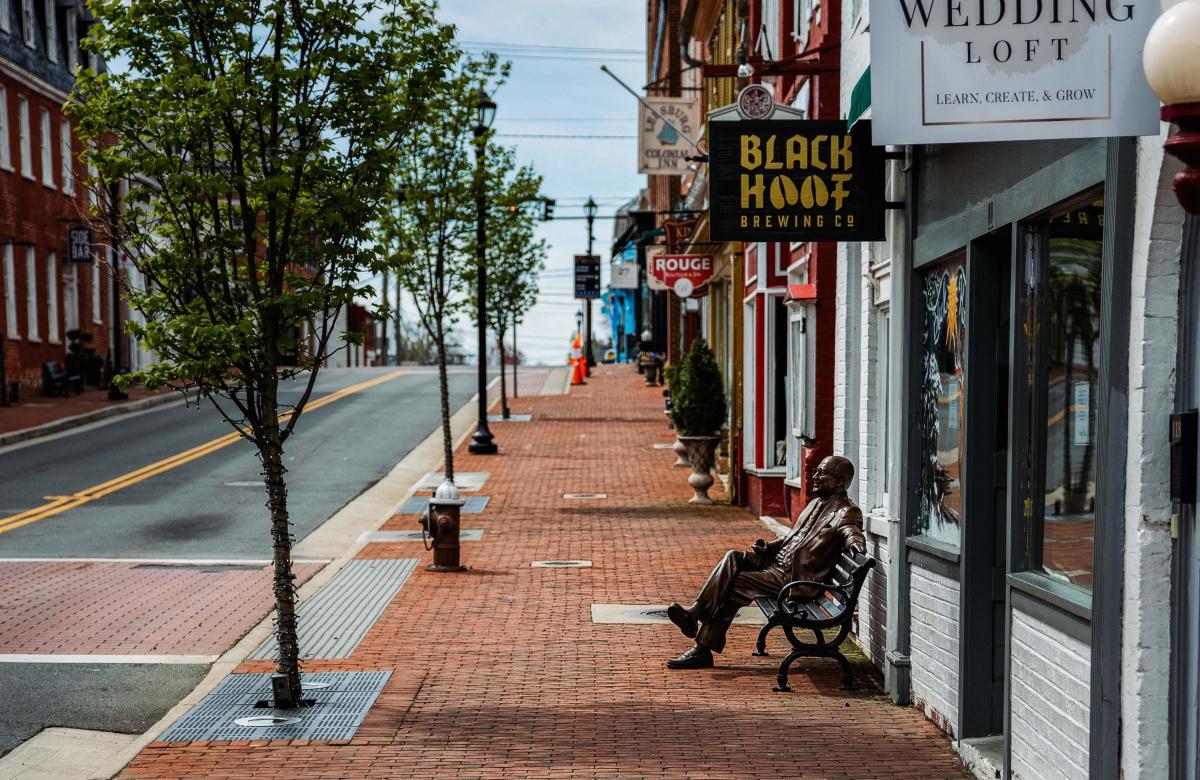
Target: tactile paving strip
336	713
333	622
418	504
464	534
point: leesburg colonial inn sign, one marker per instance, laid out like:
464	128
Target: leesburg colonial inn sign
947	71
795	180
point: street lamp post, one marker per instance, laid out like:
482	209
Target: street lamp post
589	210
482	443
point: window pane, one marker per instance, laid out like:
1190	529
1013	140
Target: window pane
1073	371
943	398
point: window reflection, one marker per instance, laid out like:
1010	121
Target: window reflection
943	399
1072	392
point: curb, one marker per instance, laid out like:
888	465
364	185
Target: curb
87	418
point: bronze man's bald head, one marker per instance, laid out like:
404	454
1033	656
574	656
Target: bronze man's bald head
833	475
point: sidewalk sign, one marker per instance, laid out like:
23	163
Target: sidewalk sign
587	276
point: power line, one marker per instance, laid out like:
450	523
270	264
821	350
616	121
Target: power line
546	47
568	136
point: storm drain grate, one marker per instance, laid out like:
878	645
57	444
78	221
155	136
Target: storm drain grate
464	534
561	565
463	480
335	713
333	622
418	504
510	418
584	496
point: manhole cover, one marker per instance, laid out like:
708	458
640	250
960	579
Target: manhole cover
561	564
584	496
265	721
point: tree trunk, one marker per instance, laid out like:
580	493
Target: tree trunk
287	666
383	334
444	391
503	381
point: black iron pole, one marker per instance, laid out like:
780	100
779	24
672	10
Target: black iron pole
115	393
591	357
516	356
483	442
3	373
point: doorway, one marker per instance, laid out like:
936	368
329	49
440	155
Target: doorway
985	464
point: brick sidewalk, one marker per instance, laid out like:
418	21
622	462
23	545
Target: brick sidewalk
500	673
39	410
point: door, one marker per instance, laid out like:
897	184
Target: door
1185	656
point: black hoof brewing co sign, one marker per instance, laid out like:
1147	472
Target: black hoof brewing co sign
795	180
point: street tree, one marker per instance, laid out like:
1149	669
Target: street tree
254	140
515	256
426	239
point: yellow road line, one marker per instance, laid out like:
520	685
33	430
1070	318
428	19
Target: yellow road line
59	504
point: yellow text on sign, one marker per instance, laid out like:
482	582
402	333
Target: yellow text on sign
813	161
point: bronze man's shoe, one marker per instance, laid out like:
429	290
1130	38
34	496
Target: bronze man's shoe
696	657
684	619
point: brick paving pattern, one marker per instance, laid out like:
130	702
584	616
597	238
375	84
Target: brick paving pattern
499	672
92	607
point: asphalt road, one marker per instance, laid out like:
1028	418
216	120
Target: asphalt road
213	506
207	507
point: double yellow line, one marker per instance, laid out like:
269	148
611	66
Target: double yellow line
59	504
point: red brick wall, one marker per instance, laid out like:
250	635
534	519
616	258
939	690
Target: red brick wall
33	214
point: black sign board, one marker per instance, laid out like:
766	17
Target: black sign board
587	276
795	180
79	245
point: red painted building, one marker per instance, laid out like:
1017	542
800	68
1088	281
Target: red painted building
789	301
44	295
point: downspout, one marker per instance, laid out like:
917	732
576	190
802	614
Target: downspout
685	34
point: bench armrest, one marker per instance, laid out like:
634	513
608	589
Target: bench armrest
788	605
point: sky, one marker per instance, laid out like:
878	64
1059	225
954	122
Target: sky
566	95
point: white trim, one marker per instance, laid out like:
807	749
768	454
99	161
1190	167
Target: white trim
33	332
53	332
12	325
32	82
24	141
775	472
47	148
51	8
67	172
5	16
5	129
28	24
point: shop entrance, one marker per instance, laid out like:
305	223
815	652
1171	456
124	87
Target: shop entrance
984	552
1185	672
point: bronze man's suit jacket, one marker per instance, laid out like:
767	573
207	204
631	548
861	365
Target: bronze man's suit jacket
825	530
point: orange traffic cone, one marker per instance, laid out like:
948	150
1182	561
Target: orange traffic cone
579	372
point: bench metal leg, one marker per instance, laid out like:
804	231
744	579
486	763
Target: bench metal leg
847	670
782	676
762	639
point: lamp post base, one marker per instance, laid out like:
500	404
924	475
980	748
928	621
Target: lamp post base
482	444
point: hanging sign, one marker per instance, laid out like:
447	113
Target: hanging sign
795	180
587	276
1009	70
652	255
687	275
662	146
624	276
79	245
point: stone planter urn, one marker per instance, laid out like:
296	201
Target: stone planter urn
682	459
702	453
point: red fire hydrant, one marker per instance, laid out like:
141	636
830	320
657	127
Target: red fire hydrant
440	523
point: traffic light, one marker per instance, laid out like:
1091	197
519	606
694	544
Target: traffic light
512	208
547	209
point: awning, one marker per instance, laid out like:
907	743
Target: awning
801	292
860	98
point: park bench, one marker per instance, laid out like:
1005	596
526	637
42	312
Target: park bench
56	381
830	612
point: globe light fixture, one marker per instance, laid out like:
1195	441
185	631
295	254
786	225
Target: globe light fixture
485	111
1171	59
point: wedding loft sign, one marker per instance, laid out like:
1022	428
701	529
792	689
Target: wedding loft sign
949	71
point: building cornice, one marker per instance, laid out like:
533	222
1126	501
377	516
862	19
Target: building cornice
32	82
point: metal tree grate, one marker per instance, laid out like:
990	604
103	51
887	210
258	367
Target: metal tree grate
336	712
418	504
464	534
333	622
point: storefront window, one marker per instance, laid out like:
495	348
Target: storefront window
1072	370
943	400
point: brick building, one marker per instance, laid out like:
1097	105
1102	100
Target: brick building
41	194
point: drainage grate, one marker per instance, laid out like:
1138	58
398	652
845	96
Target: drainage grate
418	504
510	418
463	480
561	565
334	621
335	713
464	534
584	496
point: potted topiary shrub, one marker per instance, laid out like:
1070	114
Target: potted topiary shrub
698	409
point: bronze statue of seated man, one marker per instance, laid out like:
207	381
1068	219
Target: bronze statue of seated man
828	526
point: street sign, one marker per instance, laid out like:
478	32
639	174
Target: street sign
795	180
587	276
687	275
79	245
